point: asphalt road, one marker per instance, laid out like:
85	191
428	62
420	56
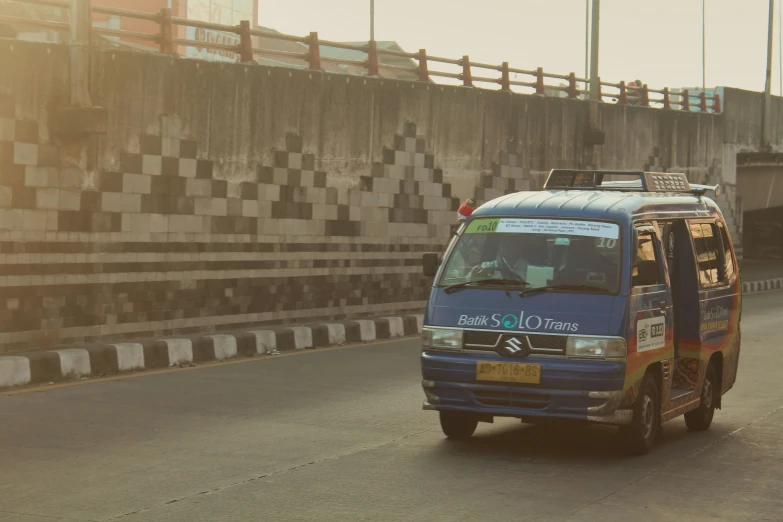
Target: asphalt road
340	436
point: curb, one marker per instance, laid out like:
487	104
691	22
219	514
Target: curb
762	286
116	358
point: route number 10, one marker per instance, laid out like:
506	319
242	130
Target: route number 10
606	243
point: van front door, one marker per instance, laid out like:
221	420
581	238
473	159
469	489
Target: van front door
650	306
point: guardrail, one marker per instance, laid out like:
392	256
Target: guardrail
463	69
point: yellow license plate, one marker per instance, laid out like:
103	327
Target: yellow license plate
508	372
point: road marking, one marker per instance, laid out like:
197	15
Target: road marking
244	360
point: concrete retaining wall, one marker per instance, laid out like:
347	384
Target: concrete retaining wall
227	195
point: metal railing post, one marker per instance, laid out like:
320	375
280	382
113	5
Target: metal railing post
573	92
686	100
645	96
372	59
666	101
467	77
81	24
245	42
540	80
623	99
716	102
703	102
314	54
424	73
505	78
166	35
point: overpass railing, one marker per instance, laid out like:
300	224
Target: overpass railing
423	67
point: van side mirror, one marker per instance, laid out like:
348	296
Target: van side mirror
647	273
430	263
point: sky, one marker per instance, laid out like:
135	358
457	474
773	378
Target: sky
658	41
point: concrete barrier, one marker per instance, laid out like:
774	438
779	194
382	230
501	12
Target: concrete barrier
762	286
112	359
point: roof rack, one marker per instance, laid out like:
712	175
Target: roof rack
624	180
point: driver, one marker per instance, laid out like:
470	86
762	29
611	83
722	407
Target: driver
584	258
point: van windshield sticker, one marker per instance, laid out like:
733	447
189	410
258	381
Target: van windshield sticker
544	226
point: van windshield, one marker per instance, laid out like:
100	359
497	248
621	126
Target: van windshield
536	253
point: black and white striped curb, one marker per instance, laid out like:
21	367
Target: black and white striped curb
762	286
110	359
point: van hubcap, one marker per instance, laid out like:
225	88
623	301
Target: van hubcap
647	415
706	394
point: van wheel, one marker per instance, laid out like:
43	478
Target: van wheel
700	419
458	425
641	434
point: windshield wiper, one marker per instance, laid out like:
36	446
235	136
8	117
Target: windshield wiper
482	282
565	288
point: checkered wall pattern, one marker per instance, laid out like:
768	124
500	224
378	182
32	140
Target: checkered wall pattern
157	245
506	177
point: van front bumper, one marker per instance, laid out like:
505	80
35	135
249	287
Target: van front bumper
581	390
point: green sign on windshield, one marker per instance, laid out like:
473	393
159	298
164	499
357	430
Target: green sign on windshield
482	226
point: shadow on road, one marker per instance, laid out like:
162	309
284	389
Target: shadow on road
576	443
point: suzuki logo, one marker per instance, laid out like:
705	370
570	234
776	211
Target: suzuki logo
514	345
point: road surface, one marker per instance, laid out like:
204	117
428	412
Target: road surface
339	435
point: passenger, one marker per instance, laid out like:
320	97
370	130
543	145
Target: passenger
584	264
464	261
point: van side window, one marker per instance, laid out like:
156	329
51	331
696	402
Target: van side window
705	238
728	261
646	268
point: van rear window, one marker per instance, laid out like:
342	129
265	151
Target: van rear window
541	252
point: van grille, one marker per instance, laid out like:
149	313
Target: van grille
493	341
481	338
511	399
552	342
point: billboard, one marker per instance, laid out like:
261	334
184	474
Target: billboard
224	12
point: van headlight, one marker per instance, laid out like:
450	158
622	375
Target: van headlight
596	347
441	339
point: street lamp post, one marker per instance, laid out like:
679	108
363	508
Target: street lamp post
587	42
766	119
768	83
372	20
594	86
703	48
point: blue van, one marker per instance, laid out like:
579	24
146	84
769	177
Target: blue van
608	297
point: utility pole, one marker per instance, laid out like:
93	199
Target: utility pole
587	42
81	23
372	20
703	47
765	131
770	36
594	86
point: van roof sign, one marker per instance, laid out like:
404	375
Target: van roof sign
623	180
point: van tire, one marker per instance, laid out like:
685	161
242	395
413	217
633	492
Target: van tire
640	436
458	425
700	419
